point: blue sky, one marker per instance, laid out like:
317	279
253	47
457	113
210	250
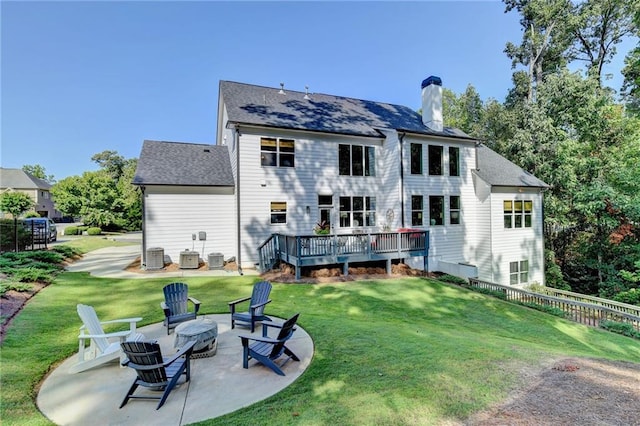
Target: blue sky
79	78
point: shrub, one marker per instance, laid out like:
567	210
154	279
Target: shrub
500	294
71	230
94	231
453	279
631	296
620	328
66	251
32	274
545	308
7	285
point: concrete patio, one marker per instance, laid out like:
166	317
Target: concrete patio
219	385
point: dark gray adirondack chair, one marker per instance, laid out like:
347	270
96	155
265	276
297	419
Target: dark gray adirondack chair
259	299
154	371
267	350
175	305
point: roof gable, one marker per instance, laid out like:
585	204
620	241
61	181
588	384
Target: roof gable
265	106
19	179
496	170
189	164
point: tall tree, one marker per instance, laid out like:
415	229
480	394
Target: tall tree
631	73
598	26
38	171
544	39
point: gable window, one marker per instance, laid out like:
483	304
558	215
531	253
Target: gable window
454	161
435	160
278	212
357	211
436	210
416	159
416	210
519	272
517	213
277	152
356	160
454	210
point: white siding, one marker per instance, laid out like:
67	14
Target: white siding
173	214
450	243
516	244
481	254
315	172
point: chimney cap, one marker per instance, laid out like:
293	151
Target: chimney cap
431	80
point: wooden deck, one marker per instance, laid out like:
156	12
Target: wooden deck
311	250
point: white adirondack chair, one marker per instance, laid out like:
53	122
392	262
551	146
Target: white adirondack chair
101	349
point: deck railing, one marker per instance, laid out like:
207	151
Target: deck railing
588	313
307	250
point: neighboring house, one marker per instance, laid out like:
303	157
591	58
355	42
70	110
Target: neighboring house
38	189
286	160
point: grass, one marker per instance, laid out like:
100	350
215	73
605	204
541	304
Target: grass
394	352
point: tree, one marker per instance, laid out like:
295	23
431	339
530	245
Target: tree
104	198
38	171
111	162
598	26
544	39
631	72
15	203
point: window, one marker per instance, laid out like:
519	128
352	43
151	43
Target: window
278	212
454	161
356	160
435	160
357	211
454	210
517	213
519	272
436	210
416	210
416	159
275	152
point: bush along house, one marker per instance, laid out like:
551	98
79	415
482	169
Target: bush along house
313	179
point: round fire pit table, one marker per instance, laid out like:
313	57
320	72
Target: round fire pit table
203	331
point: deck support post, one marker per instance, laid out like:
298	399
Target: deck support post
388	266
297	272
345	268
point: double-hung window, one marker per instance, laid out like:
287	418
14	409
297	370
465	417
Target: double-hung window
435	160
277	152
519	272
417	206
356	160
517	213
357	211
278	212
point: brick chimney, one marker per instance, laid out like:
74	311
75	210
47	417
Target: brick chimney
432	103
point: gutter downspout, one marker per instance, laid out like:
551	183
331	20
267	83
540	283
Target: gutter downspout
144	229
401	139
236	140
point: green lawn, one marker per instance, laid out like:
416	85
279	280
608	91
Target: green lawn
393	352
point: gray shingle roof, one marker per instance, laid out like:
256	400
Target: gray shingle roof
19	179
265	106
189	164
498	171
